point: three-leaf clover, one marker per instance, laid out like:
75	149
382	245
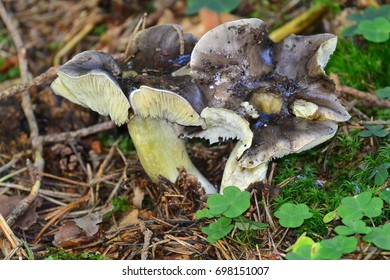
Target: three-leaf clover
385	195
380	237
373	24
219	6
231	204
329	249
374	130
376	30
383	93
218	229
292	215
352	227
302	253
333	249
229	207
354	208
381	174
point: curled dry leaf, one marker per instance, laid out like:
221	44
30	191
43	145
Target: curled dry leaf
79	231
130	219
89	223
70	235
7	203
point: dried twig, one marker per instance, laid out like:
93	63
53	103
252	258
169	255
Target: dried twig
366	97
95	19
43	79
140	25
147	238
376	122
300	23
36	142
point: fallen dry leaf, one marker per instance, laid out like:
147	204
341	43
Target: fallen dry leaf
139	195
70	235
89	223
130	219
7	203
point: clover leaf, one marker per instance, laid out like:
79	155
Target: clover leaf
292	215
374	130
333	249
376	30
352	227
380	237
218	229
231	204
302	253
219	6
381	176
239	201
385	195
383	93
354	208
302	240
330	216
217	204
204	213
330	249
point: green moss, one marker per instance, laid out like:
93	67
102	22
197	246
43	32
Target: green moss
364	67
61	254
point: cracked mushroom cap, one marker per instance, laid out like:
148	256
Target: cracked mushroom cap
281	89
236	62
90	79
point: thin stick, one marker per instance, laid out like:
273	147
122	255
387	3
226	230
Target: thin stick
132	36
300	23
59	213
78	133
369	97
376	122
43	79
8	233
76	39
147	238
36	142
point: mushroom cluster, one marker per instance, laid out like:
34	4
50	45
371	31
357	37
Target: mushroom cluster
273	98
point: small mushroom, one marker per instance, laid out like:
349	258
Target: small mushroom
155	128
160	49
280	89
90	79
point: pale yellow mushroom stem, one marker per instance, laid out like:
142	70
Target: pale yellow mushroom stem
161	152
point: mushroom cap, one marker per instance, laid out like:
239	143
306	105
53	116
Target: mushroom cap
89	79
236	61
164	104
228	55
161	49
223	124
278	136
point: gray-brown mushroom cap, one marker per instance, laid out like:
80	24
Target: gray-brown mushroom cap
281	136
90	80
281	89
236	62
160	49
